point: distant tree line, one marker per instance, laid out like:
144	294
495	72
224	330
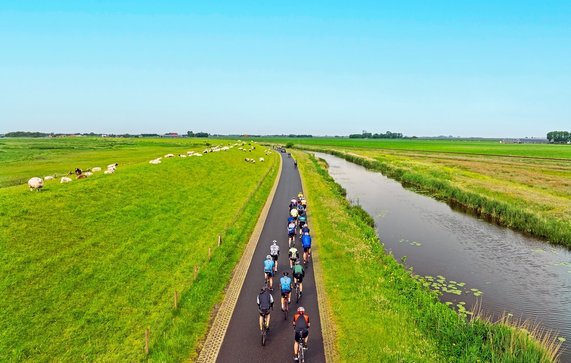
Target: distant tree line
197	134
27	134
559	137
292	135
369	135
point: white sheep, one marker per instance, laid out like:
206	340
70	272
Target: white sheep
114	166
88	173
109	171
96	169
65	179
155	161
49	177
169	156
35	183
197	154
262	160
182	155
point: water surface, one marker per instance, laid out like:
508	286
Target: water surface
516	274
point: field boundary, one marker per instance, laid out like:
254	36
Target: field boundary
325	316
215	336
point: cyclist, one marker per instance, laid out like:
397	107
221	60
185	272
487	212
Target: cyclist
290	219
295	163
293	256
269	271
285	284
291	233
301	222
265	301
298	274
301	327
306	244
275	252
304	203
294	212
305	229
292	204
299	196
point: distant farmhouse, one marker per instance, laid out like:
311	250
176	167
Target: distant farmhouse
171	134
524	141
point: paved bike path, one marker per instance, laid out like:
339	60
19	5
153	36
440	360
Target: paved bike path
242	339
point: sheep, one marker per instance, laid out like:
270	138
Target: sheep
88	173
197	154
182	155
49	177
262	160
65	179
155	161
35	183
114	166
169	156
96	169
79	174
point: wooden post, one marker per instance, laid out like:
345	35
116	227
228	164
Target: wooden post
147	336
175	299
195	271
219	240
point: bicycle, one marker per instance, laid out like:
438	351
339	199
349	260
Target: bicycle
286	308
297	293
301	350
265	329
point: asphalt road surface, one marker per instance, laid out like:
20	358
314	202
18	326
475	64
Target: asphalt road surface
242	340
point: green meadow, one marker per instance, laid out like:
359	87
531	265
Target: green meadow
523	187
380	311
86	267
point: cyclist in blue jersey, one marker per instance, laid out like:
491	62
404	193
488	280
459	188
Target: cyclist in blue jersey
291	227
285	284
269	271
306	244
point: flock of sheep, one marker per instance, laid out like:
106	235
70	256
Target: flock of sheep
37	183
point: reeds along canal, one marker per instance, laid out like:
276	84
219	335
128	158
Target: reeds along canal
466	258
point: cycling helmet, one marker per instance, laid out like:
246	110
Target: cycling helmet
300	310
268	257
274	242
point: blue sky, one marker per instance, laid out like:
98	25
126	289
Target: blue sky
465	68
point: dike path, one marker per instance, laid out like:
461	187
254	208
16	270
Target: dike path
235	333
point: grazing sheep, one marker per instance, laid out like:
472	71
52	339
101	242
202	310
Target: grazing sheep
65	179
169	156
88	173
35	183
197	154
114	166
109	171
49	177
182	155
262	160
79	174
96	169
155	161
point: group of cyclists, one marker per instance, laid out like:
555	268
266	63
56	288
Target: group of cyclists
296	226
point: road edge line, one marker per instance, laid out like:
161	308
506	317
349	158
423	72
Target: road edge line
327	325
215	337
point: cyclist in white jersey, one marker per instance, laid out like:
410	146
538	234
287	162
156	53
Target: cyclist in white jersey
275	252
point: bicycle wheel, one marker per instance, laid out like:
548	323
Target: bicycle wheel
264	331
297	294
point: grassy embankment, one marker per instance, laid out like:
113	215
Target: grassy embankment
86	267
380	311
530	194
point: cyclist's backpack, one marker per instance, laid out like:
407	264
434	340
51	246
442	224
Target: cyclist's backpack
306	241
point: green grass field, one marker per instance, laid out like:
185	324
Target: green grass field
441	146
380	312
529	193
86	267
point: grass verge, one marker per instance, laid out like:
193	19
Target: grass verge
380	311
86	267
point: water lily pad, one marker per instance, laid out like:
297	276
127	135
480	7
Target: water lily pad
461	284
561	339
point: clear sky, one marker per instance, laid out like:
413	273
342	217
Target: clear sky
464	68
